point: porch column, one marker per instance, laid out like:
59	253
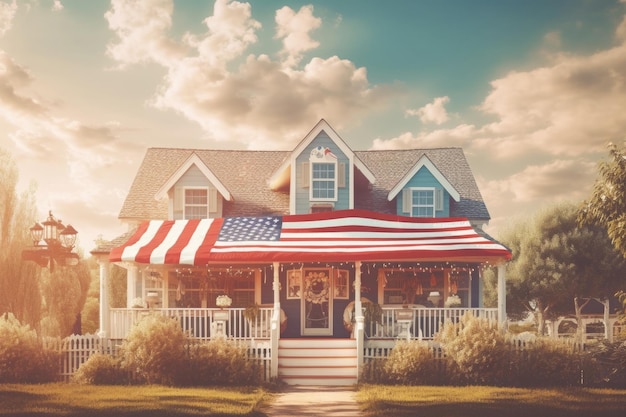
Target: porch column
358	318
502	294
105	311
132	274
275	325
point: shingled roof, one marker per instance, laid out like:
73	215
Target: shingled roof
246	174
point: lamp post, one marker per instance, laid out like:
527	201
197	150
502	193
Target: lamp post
59	241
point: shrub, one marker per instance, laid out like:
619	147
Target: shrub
478	349
413	363
23	358
546	362
606	365
154	351
221	362
100	369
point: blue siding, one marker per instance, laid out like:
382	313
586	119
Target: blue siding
424	178
302	194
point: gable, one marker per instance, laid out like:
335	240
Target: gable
424	163
282	176
195	169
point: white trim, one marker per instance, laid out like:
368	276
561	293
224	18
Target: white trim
193	159
185	204
326	159
424	161
411	206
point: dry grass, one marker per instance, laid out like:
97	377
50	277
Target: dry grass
479	401
80	400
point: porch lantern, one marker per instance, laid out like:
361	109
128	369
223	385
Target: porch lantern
59	243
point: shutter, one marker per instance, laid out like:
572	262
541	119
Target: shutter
179	197
341	175
212	200
304	177
438	199
406	200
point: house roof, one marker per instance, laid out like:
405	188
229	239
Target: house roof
246	175
391	166
343	235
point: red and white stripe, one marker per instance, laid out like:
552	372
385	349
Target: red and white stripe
350	235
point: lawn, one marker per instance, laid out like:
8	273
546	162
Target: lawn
402	401
79	400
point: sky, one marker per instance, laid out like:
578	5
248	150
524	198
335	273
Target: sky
532	90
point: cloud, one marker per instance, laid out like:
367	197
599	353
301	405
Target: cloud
569	108
551	181
293	28
460	136
434	112
57	6
254	100
7	14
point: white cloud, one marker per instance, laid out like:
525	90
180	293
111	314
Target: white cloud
57	6
293	28
261	103
434	112
7	14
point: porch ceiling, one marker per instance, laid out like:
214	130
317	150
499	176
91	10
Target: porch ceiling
339	236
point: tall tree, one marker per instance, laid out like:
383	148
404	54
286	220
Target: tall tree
607	205
556	262
19	290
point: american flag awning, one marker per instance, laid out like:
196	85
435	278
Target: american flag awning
339	236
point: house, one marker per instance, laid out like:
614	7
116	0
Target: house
301	242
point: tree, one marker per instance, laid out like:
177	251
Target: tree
19	289
607	205
555	261
64	292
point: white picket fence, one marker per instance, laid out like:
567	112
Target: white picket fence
75	350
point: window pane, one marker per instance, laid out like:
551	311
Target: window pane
196	203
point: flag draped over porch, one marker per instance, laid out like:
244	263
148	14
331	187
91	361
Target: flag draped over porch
346	235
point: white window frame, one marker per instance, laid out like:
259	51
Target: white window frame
324	160
433	206
185	205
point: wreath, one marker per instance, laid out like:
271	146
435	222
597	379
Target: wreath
316	287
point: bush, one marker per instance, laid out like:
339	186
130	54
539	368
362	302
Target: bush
220	362
413	363
100	369
154	351
478	349
23	358
606	365
546	363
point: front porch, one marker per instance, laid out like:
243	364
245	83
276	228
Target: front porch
398	322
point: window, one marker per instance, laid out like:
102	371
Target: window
323	175
323	181
196	203
422	202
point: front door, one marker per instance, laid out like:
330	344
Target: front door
317	302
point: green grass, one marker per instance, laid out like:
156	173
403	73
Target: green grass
80	400
426	401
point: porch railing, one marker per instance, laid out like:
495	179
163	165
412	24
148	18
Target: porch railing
421	323
200	323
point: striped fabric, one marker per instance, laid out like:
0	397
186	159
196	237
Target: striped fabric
339	236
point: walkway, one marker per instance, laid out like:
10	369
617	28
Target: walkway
315	401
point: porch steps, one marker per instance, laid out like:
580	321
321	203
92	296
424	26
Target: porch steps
317	361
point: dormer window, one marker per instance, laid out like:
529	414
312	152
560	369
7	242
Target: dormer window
196	203
323	175
422	201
